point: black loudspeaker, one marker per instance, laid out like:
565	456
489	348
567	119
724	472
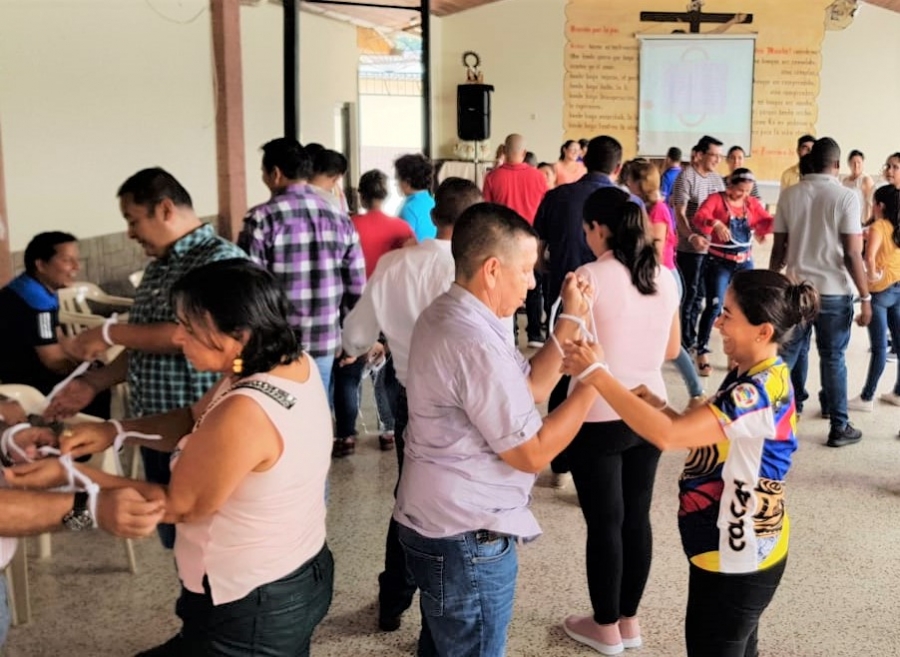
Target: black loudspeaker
473	112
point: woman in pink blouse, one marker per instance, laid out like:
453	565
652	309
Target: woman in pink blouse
249	464
613	468
569	168
728	219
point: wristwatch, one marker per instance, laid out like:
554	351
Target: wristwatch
79	518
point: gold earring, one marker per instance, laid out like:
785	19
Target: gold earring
237	366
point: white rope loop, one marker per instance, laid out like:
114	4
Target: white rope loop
78	371
585	332
78	481
7	442
119	442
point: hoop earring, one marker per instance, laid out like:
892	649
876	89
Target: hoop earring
237	366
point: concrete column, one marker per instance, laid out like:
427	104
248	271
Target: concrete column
230	161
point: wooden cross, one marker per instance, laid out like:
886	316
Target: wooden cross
695	17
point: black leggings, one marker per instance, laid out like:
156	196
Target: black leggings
723	611
614	469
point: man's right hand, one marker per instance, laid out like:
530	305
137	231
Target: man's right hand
87	438
71	399
124	512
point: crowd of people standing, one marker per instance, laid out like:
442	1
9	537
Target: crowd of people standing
272	337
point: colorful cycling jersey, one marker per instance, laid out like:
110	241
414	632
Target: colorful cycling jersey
732	516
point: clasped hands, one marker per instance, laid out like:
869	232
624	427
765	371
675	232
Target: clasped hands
578	355
125	512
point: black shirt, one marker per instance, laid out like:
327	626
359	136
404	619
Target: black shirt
29	317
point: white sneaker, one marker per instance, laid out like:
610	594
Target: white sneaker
860	404
559	479
535	344
890	398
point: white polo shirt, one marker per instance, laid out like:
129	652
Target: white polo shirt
815	213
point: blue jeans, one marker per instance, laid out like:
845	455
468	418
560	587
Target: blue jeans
683	361
5	617
325	365
885	317
467	584
718	275
832	337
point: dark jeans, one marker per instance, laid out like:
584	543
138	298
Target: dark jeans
832	326
396	586
614	469
717	276
156	471
534	309
690	266
346	381
723	611
273	620
560	464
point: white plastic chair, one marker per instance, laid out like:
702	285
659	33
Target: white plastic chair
75	297
32	401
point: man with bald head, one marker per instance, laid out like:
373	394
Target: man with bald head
520	187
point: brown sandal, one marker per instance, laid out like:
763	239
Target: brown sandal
386	442
703	366
343	447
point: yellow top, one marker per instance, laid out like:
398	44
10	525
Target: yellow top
790	177
887	259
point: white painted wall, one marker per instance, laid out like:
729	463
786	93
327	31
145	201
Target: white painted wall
860	91
521	44
93	90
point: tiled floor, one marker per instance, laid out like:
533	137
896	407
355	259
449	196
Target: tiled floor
840	596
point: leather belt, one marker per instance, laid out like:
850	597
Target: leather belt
740	257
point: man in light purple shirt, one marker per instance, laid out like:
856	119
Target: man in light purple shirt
475	440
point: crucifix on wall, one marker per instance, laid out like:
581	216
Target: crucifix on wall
696	17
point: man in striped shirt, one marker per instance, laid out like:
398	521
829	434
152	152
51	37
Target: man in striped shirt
310	246
693	185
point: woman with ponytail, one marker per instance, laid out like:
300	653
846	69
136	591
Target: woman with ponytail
734	527
883	272
635	315
642	179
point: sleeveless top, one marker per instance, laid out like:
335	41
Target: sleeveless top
887	260
274	521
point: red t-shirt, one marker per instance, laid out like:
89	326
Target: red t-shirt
519	187
378	234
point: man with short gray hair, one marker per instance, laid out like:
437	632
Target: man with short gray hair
475	440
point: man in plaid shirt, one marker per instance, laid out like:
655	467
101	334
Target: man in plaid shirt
162	220
310	246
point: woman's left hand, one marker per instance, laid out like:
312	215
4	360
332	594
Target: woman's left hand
579	355
46	473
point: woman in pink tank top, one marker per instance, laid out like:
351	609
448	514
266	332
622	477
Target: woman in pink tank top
249	464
